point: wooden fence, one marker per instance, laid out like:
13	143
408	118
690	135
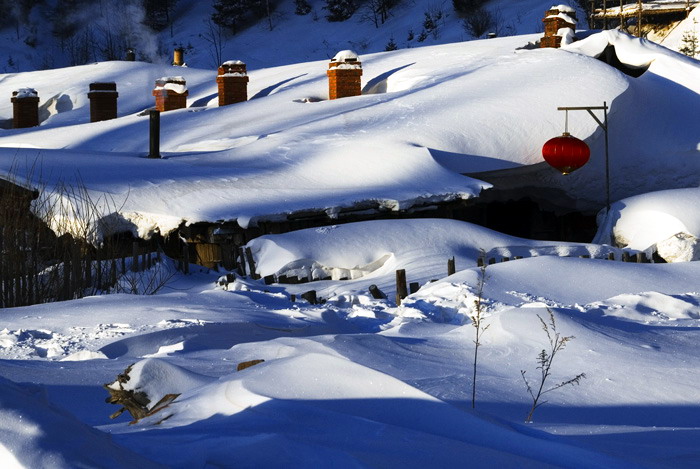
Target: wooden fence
29	275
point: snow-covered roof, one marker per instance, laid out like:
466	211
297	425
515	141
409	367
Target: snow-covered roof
426	116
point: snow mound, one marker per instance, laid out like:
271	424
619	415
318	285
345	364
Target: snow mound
84	355
681	247
156	378
642	221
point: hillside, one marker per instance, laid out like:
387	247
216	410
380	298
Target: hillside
114	26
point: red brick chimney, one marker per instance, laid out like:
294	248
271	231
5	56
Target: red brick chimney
171	93
25	108
103	101
344	72
233	82
555	19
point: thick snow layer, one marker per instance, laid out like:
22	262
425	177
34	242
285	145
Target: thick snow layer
640	222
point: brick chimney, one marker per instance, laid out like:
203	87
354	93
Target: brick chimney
233	82
25	108
171	93
103	101
555	19
344	72
179	56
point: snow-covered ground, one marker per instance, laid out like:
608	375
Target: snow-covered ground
358	381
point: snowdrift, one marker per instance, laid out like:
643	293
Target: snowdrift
653	220
35	433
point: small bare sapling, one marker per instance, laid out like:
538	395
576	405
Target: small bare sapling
477	318
545	358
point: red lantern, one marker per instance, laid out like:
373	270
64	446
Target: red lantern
566	153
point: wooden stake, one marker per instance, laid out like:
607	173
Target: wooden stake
451	266
310	296
401	290
376	293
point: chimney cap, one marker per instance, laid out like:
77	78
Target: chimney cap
25	93
163	80
346	56
563	8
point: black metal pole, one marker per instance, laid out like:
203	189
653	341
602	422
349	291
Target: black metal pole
154	147
604	125
607	159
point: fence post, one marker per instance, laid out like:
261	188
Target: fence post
451	266
98	260
185	258
154	133
76	278
113	273
66	276
134	257
376	293
88	269
3	277
310	296
401	290
251	264
240	261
